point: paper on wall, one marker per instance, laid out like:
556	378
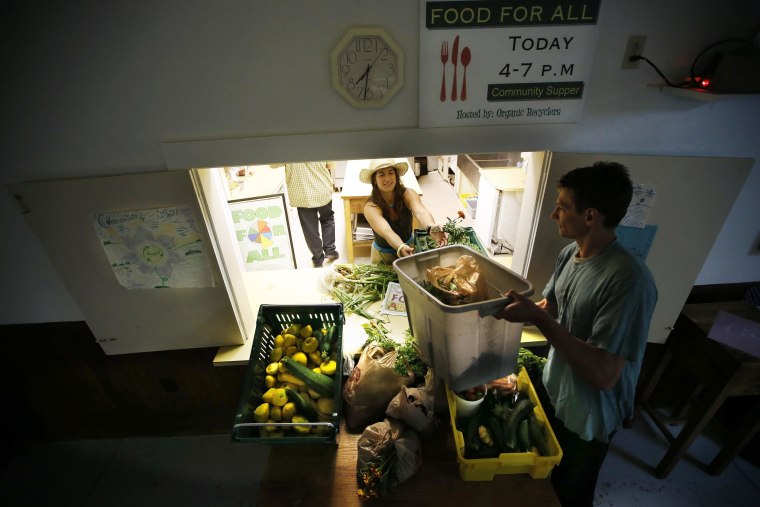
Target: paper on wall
640	208
155	249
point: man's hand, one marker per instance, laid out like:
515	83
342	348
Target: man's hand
599	368
520	309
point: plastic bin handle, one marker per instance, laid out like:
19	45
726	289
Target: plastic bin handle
492	309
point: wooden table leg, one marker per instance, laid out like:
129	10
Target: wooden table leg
736	442
702	414
348	224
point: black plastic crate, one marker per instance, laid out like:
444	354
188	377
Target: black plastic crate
271	320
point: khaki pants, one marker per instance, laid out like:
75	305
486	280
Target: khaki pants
378	257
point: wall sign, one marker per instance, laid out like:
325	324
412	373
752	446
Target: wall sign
262	230
505	62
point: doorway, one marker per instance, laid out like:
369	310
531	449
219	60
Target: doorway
498	198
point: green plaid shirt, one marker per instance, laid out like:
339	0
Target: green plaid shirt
309	183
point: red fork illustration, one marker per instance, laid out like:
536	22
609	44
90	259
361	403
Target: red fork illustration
444	59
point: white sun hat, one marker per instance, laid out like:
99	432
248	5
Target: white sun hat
365	176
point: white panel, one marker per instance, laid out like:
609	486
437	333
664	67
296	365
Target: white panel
510	204
533	163
488	198
694	196
125	321
210	185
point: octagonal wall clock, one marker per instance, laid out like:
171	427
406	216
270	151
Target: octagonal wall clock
367	67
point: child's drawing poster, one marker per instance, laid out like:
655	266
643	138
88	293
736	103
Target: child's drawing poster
155	249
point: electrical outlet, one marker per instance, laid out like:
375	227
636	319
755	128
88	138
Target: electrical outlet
635	47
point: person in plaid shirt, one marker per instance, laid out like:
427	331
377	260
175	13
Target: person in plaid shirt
310	190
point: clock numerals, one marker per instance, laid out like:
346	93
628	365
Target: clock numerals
366	44
376	77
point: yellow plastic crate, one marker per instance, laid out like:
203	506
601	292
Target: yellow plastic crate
538	467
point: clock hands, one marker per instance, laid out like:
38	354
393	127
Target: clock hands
365	76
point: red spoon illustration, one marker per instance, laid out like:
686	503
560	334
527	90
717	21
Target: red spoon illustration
466	57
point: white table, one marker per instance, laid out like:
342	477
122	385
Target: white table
305	287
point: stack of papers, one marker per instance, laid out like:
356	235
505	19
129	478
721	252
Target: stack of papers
362	230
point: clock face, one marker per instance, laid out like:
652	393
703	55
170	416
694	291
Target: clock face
367	68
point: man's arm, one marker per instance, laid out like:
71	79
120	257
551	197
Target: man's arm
548	306
599	368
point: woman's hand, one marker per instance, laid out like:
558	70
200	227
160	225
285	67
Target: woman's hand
438	235
404	250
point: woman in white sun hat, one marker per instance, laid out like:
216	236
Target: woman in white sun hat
389	210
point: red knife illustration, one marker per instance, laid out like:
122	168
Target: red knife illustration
454	58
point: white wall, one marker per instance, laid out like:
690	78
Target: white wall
107	88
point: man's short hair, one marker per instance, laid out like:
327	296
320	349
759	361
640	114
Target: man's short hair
605	186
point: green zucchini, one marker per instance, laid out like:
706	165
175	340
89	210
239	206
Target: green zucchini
303	406
497	435
522	410
471	440
320	383
538	435
523	437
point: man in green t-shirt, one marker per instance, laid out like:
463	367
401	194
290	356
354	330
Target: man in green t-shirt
595	315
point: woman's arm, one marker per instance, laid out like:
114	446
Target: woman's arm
414	203
423	216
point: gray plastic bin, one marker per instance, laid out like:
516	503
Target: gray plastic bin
464	344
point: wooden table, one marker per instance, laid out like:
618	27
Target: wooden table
354	196
721	371
325	475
